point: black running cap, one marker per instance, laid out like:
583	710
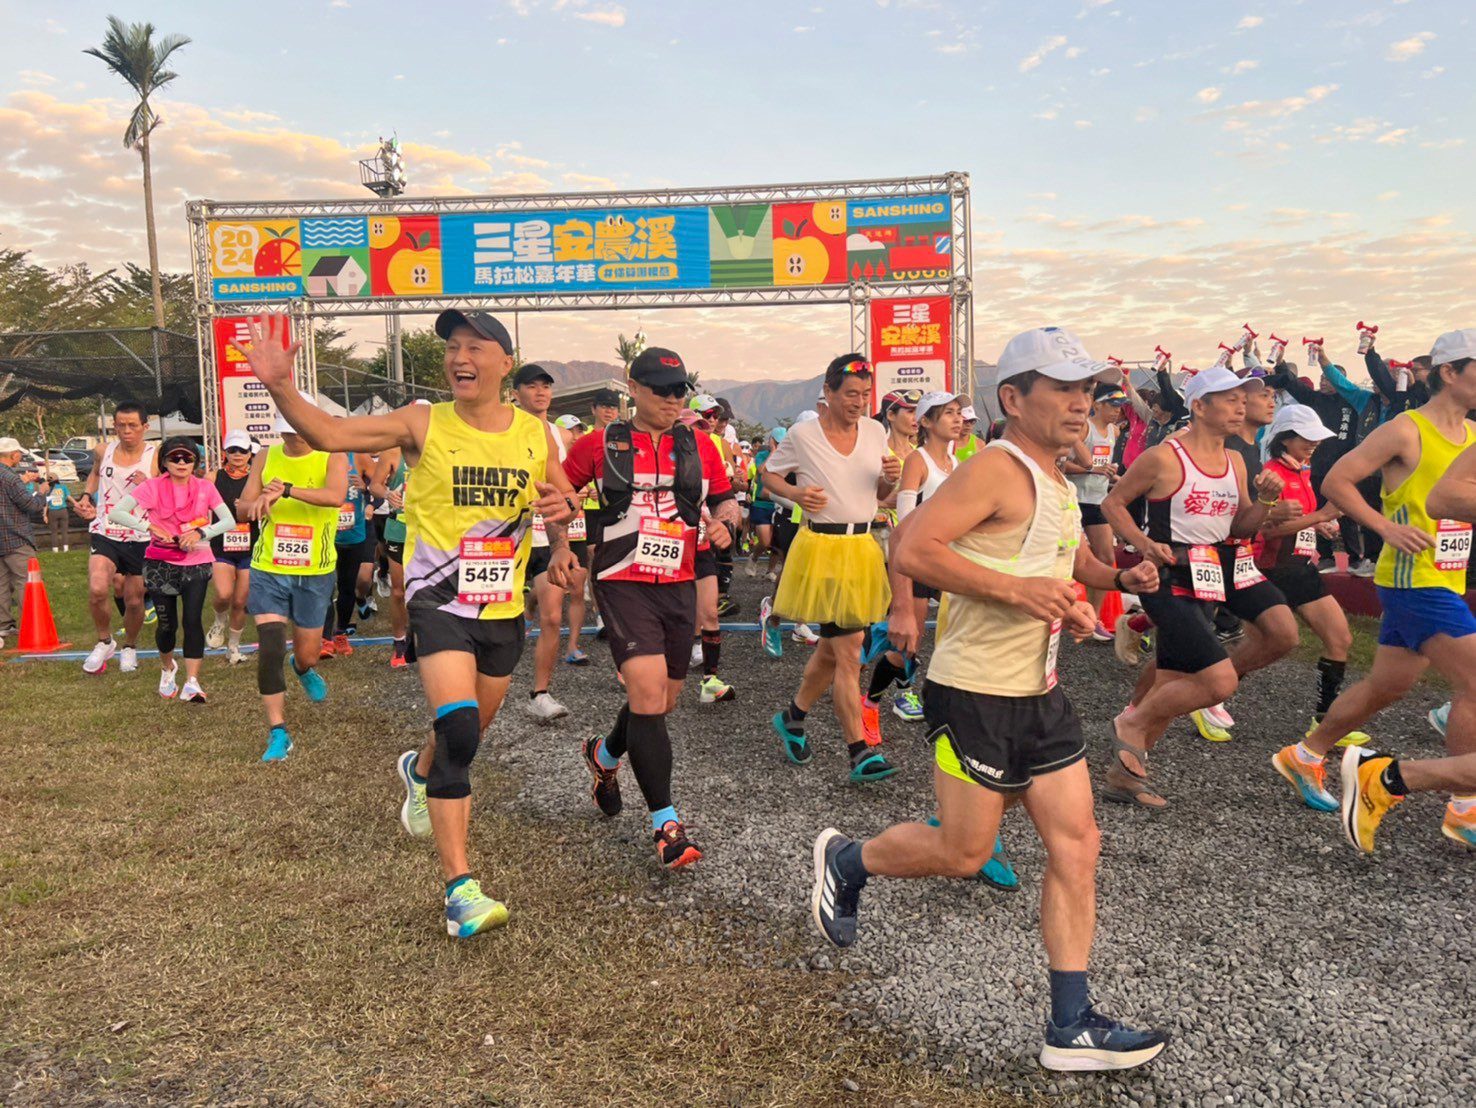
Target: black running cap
658	366
483	323
606	398
530	373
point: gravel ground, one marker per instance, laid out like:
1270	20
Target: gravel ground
1288	967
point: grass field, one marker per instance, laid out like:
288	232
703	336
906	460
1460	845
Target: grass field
182	923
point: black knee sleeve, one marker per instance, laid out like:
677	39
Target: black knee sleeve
458	734
271	653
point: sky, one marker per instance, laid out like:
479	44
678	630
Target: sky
1143	172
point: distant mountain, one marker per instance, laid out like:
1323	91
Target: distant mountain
583	373
767	401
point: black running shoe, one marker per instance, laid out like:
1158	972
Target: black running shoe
1095	1042
673	847
606	789
727	606
833	900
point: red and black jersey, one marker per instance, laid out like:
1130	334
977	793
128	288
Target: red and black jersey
653	500
1282	549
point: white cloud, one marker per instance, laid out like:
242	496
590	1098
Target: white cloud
1443	144
339	4
1207	95
953	48
1390	195
1145	115
606	17
1248	22
1030	61
1047	114
1405	49
1074	51
1090	5
1082	124
589	181
1101	72
803	30
1245	65
1392	138
1435	71
55	28
36	78
1273	109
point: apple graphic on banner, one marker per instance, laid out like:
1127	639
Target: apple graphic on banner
829	216
797	260
416	270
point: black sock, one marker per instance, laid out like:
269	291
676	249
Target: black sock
794	719
615	739
536	693
883	676
855	750
1329	681
712	650
650	758
852	868
1394	780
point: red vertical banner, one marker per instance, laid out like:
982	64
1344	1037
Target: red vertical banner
245	404
911	347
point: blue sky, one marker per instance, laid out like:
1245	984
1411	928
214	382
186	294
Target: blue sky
1142	171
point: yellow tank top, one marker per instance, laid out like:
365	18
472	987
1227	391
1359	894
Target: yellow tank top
1443	567
297	538
986	646
466	529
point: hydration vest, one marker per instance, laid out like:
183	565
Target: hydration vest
617	483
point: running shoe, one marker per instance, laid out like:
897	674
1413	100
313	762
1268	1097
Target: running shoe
771	577
328	649
1439	717
802	633
1362	568
773	641
313	684
1352	738
1308	778
367	607
97	660
341	646
382	584
1327	565
870	765
1095	1042
235	657
544	708
796	746
192	693
279	745
673	847
151	617
752	569
168	685
1101	634
727	606
469	911
1460	827
576	658
871	721
128	660
877	643
398	660
1365	799
599	626
833	899
907	705
215	637
414	816
1220	716
714	691
1208	729
997	871
606	787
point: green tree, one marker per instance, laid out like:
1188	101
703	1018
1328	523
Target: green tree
131	52
627	350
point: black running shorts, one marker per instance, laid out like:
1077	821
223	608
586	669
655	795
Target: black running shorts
497	644
1298	581
1184	628
538	560
643	619
785	530
704	564
1091	516
127	557
1002	742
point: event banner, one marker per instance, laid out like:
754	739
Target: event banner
910	343
245	404
550	250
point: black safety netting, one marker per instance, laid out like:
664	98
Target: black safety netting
159	368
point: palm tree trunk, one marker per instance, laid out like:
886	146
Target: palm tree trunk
148	170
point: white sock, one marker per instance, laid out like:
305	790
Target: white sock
234	638
1462	804
1307	754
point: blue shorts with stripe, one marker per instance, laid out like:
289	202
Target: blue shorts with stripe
1414	616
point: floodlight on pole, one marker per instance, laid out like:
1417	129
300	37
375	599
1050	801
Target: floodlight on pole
384	173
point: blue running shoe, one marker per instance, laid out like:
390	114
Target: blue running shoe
1439	717
279	745
908	705
833	899
877	643
313	684
470	912
773	641
796	747
1095	1042
997	871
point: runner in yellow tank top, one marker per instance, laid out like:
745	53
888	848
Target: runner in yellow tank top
1421	575
479	471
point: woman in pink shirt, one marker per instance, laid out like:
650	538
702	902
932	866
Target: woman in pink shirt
176	508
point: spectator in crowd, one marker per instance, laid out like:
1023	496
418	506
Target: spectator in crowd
17	541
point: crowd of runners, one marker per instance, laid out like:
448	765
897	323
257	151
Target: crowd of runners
1208	503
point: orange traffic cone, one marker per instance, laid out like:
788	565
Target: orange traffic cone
37	627
1111	609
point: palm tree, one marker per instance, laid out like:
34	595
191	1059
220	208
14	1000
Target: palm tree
628	350
131	52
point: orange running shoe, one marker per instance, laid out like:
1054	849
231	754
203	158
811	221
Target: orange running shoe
342	646
673	847
327	650
871	721
1460	827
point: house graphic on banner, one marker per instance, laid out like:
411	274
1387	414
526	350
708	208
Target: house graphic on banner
336	275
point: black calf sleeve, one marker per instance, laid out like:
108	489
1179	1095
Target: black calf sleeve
1329	681
271	653
458	734
712	651
615	740
883	675
650	758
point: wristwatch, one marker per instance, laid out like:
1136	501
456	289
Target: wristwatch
286	490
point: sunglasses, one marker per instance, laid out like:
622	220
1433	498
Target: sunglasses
236	450
669	392
180	457
860	365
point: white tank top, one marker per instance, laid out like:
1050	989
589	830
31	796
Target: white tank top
1091	488
1199	512
539	532
936	476
113	485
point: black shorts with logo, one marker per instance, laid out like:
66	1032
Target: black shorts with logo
1004	742
127	557
643	619
497	644
1184	628
1298	580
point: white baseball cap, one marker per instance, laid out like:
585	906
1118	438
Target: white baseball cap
970	416
281	426
933	400
237	440
569	422
806	415
704	403
1453	346
1216	379
1300	420
9	445
1053	352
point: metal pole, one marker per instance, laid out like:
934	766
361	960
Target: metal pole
158	382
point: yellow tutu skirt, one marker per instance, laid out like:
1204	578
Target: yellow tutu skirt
840	579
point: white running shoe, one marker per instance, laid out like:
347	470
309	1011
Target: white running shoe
715	691
167	684
128	660
97	661
771	577
545	709
215	637
802	633
696	653
192	691
235	657
1219	716
752	568
414	816
382	584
